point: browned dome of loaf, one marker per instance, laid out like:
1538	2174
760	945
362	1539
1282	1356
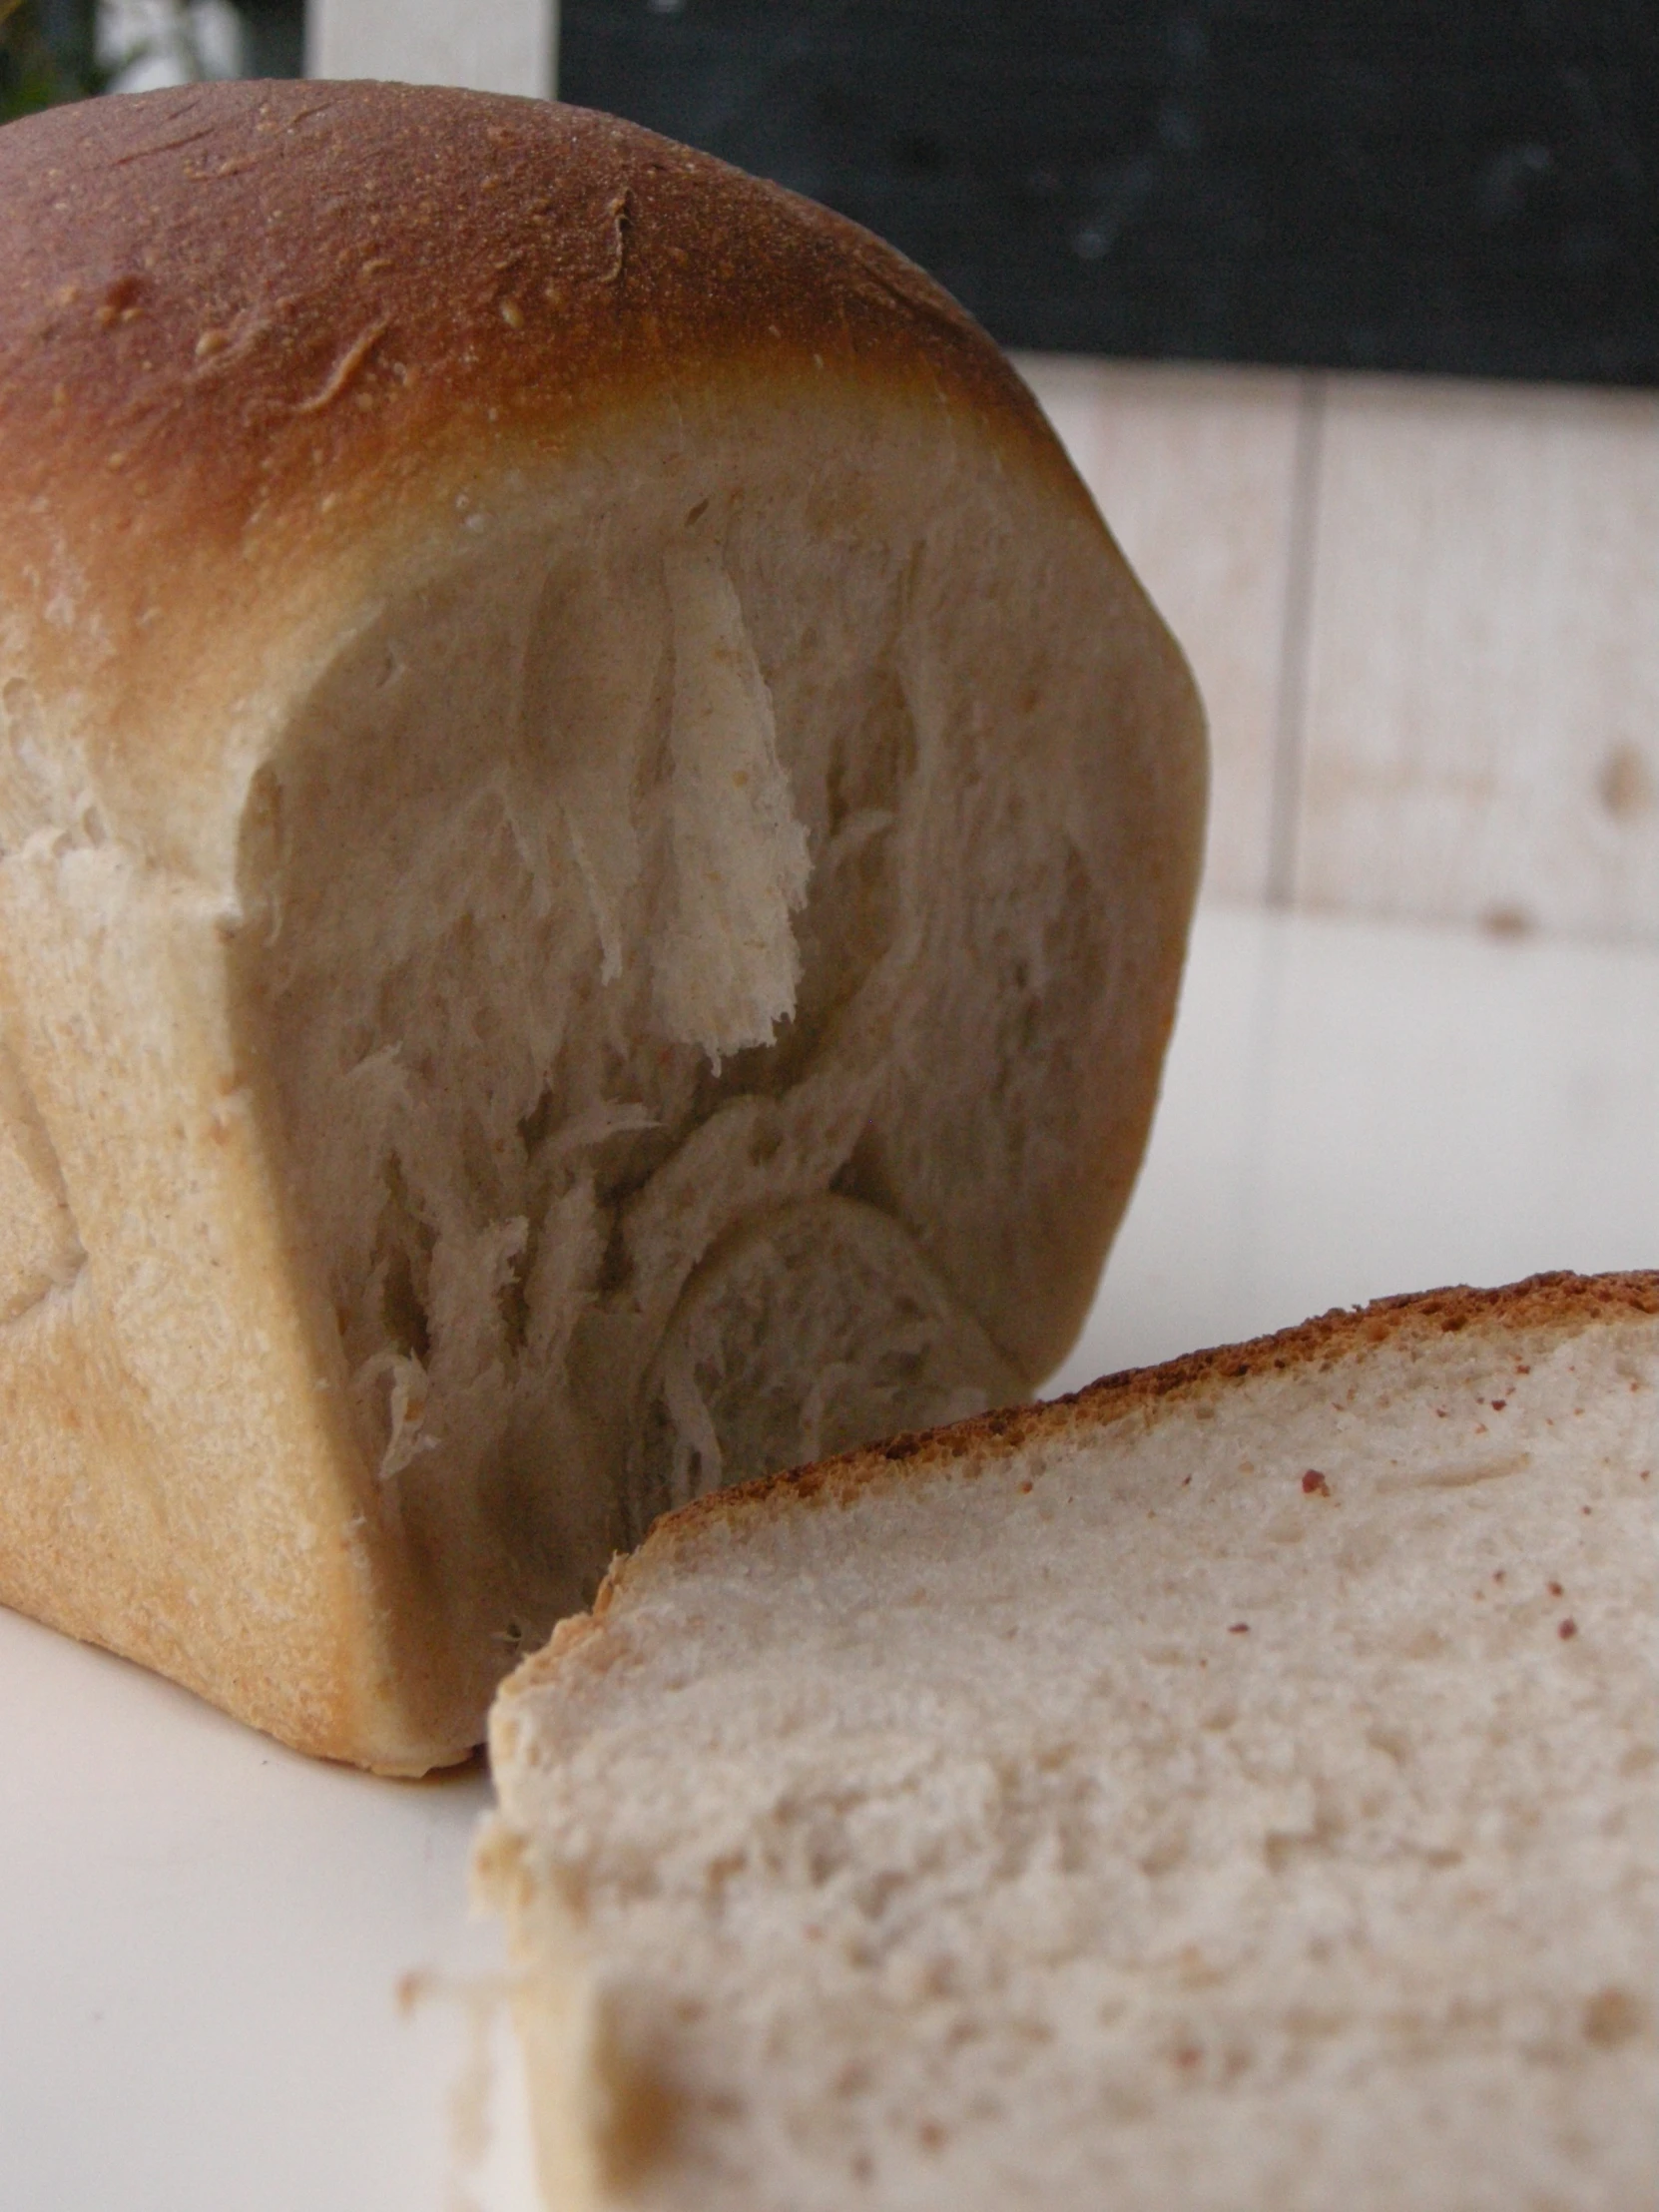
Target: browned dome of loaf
271	339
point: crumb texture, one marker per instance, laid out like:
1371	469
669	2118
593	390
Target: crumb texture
677	1013
1249	1802
729	964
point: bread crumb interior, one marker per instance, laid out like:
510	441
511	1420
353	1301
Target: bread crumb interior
1131	1819
649	945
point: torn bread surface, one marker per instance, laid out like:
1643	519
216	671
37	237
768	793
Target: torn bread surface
1237	1785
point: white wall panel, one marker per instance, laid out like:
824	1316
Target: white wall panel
491	45
1481	735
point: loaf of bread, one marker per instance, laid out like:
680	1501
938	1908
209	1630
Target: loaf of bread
597	846
1234	1789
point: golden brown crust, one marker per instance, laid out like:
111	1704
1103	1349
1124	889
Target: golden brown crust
227	351
1558	1302
216	281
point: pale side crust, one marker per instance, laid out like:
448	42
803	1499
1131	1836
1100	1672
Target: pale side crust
164	1493
1554	1305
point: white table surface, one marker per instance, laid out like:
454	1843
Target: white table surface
202	1936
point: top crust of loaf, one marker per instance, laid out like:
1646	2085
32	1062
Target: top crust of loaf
232	363
1557	1303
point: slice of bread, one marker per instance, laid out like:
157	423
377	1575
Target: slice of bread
595	850
1236	1787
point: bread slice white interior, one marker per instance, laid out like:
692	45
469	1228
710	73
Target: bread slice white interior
1237	1788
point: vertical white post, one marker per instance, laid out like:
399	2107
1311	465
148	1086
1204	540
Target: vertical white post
490	45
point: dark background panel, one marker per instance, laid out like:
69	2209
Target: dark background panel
276	37
49	50
1467	189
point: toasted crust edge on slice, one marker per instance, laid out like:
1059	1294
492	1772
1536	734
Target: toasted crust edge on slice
1558	1303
